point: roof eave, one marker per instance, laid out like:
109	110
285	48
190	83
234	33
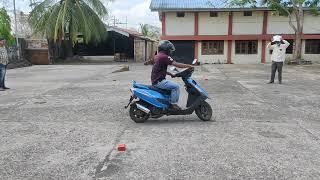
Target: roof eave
207	9
212	9
118	31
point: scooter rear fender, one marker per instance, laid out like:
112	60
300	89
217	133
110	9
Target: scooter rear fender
152	97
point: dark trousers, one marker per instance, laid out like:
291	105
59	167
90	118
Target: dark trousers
2	75
276	66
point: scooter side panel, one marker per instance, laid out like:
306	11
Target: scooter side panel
151	97
198	87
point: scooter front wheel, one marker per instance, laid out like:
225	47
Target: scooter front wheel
204	111
137	115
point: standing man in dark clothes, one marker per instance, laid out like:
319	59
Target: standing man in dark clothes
159	71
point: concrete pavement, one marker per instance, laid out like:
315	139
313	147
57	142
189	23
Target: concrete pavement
64	122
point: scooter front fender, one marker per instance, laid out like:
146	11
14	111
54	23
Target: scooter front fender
194	84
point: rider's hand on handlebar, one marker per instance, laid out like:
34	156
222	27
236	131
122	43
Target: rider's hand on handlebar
188	66
191	67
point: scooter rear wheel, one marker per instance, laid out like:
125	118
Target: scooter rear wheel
137	115
204	111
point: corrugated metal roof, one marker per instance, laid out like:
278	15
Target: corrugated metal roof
186	4
191	5
128	32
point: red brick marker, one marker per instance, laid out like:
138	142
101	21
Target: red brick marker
122	147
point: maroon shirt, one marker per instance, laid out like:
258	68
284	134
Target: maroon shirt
159	70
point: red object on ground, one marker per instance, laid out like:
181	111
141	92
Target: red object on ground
121	147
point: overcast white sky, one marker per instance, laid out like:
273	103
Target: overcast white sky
136	11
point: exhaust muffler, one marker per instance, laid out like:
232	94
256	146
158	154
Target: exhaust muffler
142	108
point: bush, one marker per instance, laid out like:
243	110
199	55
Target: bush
288	61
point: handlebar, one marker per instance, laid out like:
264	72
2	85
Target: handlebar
183	73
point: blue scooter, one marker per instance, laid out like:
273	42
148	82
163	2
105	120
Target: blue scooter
149	101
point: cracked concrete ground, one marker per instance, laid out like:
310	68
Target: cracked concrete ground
65	122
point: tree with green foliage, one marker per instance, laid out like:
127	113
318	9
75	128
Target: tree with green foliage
150	31
55	19
66	19
5	27
293	9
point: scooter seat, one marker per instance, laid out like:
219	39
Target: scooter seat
141	86
161	91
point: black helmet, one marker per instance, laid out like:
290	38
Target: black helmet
166	46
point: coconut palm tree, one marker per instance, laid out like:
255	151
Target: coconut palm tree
144	29
56	19
149	30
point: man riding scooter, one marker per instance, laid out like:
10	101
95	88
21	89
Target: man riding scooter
159	71
161	99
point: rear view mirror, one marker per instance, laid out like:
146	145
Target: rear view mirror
195	61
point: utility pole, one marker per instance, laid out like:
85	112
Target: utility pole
16	27
114	21
117	22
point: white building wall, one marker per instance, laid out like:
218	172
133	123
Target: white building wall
23	28
278	24
213	25
219	58
247	24
179	26
246	58
242	25
311	24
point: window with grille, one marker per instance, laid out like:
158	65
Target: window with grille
247	13
180	14
289	50
213	14
312	46
246	47
212	47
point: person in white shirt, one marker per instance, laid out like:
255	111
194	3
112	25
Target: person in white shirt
3	64
279	46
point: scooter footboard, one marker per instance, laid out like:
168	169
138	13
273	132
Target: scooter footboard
190	109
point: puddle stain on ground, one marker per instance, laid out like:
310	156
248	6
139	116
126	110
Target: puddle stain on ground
270	134
41	102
